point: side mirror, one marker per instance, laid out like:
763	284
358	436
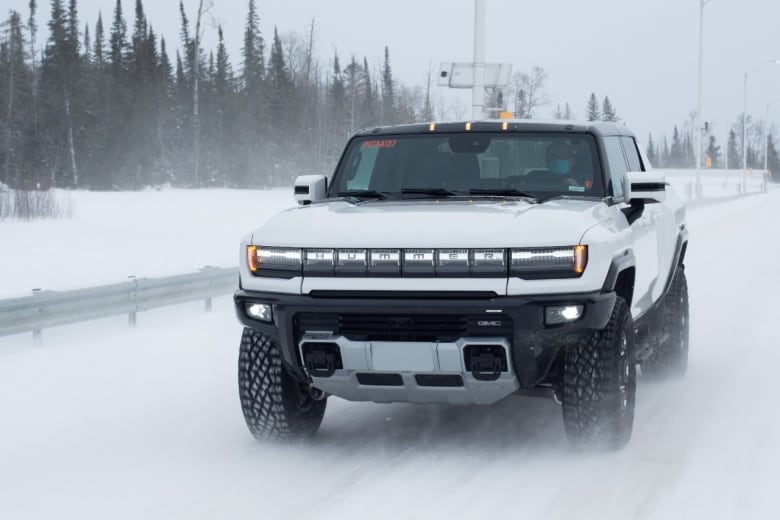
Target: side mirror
646	187
310	188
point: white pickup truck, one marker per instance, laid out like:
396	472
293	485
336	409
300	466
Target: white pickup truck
463	263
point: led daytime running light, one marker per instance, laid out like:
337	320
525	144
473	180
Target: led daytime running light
580	258
528	263
251	258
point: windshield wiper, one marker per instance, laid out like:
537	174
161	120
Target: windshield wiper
436	192
363	194
506	192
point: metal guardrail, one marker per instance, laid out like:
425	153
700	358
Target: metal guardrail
45	309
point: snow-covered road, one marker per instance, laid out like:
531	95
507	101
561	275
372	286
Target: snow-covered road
108	422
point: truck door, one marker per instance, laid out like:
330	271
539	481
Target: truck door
643	229
662	219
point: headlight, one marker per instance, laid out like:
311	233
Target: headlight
274	261
552	262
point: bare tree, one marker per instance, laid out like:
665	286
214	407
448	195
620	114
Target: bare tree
529	92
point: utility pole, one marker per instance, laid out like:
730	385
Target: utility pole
478	90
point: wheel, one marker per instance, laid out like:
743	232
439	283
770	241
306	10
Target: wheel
275	406
599	384
669	358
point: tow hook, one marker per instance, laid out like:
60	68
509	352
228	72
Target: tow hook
485	362
322	359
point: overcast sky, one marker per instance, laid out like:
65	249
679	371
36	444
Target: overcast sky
642	54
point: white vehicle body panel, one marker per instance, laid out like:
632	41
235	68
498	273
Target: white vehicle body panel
432	224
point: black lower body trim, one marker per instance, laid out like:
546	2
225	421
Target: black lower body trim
443	380
533	343
380	379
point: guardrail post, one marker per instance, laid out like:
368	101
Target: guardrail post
132	316
207	305
37	333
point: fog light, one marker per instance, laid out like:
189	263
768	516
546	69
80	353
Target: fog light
562	314
260	312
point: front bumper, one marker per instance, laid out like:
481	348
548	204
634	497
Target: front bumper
421	347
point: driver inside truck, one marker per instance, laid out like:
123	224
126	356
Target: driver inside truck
562	161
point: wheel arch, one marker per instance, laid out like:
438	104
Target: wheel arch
678	260
621	276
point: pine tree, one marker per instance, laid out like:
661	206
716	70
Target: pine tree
95	95
592	112
567	114
689	156
336	111
223	89
773	159
73	29
353	83
388	115
664	159
676	152
652	154
253	53
224	81
118	42
166	69
734	155
608	111
279	89
118	104
98	53
87	57
369	110
138	51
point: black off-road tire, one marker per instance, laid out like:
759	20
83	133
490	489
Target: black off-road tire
669	358
275	406
599	387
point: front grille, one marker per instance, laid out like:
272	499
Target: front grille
405	327
363	327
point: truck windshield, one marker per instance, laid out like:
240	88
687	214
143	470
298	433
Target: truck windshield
540	165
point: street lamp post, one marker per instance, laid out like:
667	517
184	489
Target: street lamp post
478	91
698	130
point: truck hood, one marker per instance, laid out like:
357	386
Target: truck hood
432	223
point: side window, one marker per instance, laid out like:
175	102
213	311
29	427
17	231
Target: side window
617	165
632	154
